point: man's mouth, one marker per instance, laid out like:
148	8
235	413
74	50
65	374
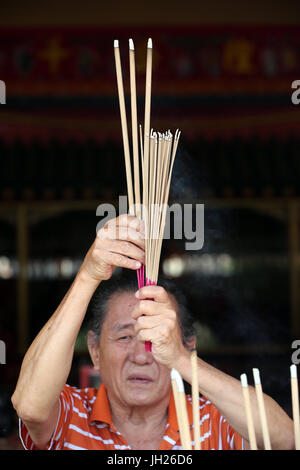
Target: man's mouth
140	379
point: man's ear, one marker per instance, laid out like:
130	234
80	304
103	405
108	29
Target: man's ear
94	350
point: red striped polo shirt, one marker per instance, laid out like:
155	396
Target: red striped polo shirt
85	423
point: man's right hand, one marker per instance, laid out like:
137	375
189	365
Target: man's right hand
120	243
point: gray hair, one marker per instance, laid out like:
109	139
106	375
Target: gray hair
99	305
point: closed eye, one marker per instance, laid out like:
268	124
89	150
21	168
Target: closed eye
125	338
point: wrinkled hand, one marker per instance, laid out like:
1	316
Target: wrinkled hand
156	321
120	243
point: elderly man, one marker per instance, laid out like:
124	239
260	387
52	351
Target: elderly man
134	407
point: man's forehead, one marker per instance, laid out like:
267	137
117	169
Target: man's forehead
120	307
119	326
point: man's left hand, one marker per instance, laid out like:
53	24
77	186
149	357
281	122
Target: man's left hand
156	321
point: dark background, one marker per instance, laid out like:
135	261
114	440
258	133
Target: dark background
61	156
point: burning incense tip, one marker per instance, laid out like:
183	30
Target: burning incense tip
293	371
244	380
149	45
116	43
256	376
131	45
177	377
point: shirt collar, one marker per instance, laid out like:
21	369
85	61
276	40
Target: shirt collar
101	410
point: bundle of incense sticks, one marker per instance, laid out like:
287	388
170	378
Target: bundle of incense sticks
262	412
148	189
182	416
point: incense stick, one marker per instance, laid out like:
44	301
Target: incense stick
195	400
147	124
250	425
261	408
148	90
124	126
142	148
134	126
295	404
181	410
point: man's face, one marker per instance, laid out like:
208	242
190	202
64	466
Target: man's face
129	372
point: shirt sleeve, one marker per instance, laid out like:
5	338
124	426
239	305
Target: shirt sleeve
234	441
227	437
57	438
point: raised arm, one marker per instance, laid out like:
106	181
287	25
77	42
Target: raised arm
225	393
157	322
47	363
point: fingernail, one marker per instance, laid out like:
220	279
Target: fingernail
137	294
138	264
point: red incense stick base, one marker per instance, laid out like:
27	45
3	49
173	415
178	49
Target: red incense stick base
141	283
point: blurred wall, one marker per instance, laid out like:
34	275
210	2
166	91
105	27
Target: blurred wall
49	190
135	12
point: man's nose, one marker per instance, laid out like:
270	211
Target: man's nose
138	353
